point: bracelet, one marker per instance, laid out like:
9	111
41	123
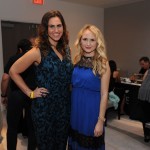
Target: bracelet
3	95
31	95
101	119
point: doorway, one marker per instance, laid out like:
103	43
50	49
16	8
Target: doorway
12	33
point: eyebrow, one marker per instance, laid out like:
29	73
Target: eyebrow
54	25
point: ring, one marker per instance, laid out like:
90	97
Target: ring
42	95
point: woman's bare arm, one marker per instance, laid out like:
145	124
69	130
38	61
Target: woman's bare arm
32	56
104	91
103	102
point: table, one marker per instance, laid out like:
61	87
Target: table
131	83
131	98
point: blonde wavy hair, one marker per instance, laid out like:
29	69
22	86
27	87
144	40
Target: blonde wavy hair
100	58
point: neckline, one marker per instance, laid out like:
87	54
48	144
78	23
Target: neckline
86	57
56	52
85	62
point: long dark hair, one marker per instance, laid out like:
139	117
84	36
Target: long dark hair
113	66
43	42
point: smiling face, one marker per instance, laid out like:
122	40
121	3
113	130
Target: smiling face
55	30
88	43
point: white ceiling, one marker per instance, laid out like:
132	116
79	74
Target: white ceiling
103	3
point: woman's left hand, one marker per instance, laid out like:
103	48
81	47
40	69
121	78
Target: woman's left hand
98	131
40	92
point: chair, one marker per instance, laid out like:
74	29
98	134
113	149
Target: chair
147	125
109	108
120	93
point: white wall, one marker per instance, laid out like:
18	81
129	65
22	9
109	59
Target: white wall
24	11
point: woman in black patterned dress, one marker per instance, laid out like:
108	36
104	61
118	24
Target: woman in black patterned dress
53	68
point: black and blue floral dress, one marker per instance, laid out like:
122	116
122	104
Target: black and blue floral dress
51	114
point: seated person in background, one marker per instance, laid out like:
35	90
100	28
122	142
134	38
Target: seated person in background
144	97
144	63
115	77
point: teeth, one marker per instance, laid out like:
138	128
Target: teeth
56	35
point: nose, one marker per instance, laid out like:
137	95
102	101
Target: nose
56	29
88	42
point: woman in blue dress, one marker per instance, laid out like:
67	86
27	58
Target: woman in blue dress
90	82
53	69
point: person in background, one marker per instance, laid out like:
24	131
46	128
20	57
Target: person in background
144	63
53	69
90	81
3	103
144	97
1	124
115	78
17	100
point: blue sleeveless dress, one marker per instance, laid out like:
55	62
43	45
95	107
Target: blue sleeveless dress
85	110
51	114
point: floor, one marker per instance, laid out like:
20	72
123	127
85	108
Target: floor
123	134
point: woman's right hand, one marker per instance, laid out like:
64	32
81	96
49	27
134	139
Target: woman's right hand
4	101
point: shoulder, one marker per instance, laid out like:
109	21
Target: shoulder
31	56
115	74
34	52
147	73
